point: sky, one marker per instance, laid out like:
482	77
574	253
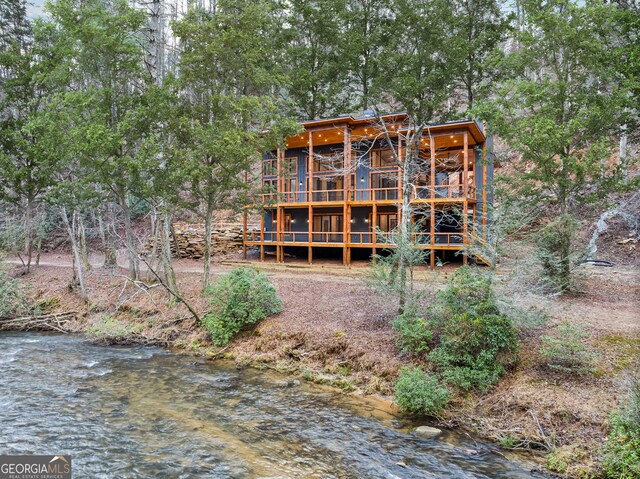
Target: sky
34	8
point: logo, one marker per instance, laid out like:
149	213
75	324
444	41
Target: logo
35	467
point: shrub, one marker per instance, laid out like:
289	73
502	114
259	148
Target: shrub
622	448
416	392
239	298
12	300
565	352
414	332
474	342
557	252
474	349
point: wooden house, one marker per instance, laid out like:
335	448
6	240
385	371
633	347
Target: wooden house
336	188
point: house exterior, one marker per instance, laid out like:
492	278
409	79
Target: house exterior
337	189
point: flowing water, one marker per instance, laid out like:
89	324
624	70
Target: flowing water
132	412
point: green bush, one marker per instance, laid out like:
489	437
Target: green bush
418	393
237	299
622	448
414	332
565	352
474	343
474	349
557	252
12	300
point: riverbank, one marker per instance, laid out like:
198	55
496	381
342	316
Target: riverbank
335	330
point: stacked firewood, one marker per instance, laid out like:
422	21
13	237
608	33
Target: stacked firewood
189	240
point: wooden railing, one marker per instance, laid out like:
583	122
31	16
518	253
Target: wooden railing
368	194
362	238
444	191
378	194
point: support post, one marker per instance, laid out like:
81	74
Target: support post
244	233
432	234
262	234
465	229
310	253
465	172
277	234
310	168
432	222
345	228
484	182
374	226
465	203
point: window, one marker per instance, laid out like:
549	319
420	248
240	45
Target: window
270	167
328	162
270	187
328	188
385	222
385	186
327	228
383	158
290	167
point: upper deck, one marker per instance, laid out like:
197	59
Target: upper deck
350	160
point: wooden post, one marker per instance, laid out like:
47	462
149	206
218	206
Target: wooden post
244	233
345	228
374	226
432	149
348	235
310	168
278	214
432	230
432	225
399	171
465	229
465	171
262	234
346	163
465	203
310	214
484	182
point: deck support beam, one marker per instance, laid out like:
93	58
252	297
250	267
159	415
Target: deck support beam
262	234
310	228
374	227
432	222
465	203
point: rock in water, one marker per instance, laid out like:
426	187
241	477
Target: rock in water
428	432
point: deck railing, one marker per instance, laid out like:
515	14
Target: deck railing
362	238
368	194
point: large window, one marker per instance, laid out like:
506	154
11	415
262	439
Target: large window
385	221
328	162
290	166
382	158
270	167
327	228
385	186
328	188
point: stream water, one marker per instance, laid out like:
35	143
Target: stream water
133	412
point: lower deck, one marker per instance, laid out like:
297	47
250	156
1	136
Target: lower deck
367	230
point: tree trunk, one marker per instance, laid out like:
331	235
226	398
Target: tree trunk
167	260
405	219
75	247
84	251
28	231
134	264
207	244
110	258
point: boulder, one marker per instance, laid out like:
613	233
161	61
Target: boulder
428	432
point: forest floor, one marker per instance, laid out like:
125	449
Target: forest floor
336	330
